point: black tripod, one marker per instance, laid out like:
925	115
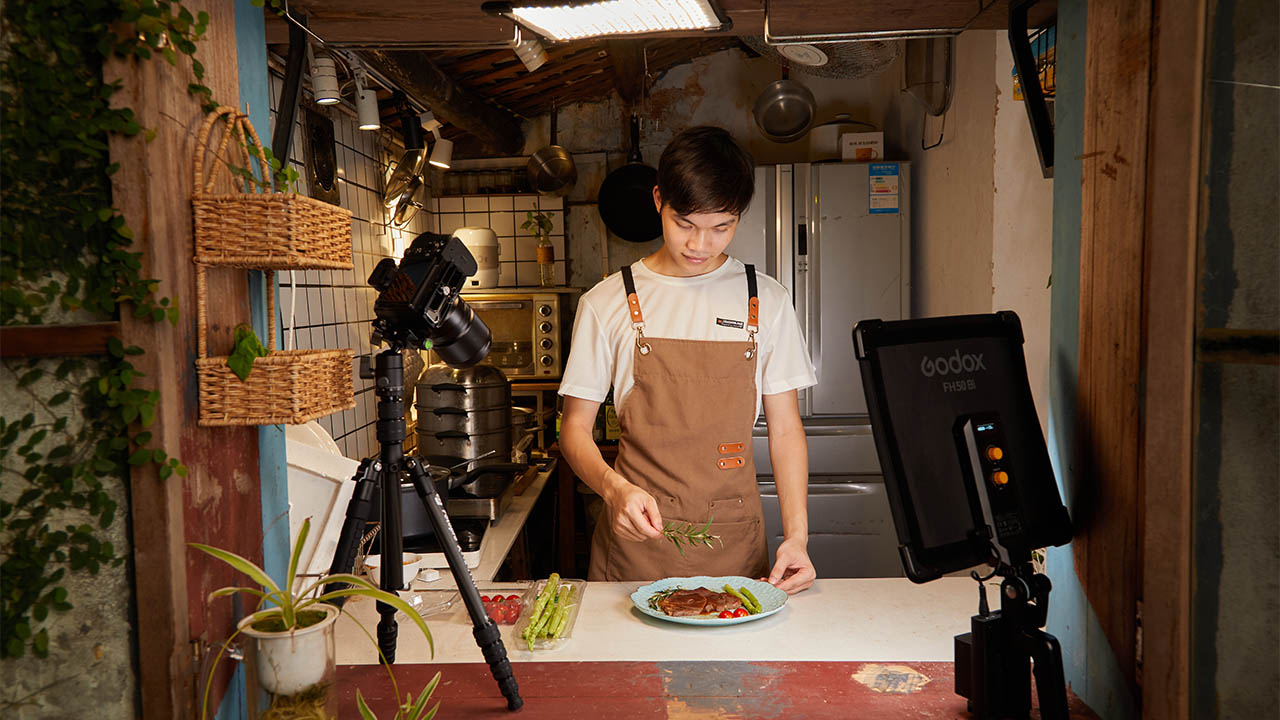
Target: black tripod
381	476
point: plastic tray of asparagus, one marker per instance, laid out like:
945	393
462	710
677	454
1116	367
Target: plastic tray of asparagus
550	610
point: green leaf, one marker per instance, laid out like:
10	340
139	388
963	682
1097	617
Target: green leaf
365	712
140	456
59	398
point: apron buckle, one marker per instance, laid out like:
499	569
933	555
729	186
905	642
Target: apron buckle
641	345
751	351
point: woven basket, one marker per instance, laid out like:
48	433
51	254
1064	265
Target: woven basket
261	231
286	386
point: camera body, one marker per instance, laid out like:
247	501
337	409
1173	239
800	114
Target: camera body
419	305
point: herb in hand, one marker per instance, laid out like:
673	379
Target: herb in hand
690	534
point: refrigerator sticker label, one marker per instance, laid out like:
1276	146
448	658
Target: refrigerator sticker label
883	185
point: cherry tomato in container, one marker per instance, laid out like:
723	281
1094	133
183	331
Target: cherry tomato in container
485	598
741	612
726	613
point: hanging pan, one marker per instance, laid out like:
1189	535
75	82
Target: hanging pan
626	196
784	111
551	169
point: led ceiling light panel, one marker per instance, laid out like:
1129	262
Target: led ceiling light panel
565	21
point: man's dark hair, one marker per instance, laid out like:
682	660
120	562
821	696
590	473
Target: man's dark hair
704	170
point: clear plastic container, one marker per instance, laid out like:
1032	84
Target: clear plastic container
526	615
430	602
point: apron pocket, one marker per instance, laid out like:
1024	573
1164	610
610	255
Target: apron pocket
733	509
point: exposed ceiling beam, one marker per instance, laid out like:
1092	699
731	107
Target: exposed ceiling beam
421	79
627	58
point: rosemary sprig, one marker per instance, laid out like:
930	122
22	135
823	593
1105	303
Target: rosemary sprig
659	596
690	534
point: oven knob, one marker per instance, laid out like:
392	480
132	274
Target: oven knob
545	327
546	360
544	310
545	343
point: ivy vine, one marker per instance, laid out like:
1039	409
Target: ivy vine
65	252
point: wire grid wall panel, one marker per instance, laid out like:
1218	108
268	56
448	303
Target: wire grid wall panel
334	308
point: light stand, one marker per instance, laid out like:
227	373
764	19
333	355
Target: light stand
994	659
382	475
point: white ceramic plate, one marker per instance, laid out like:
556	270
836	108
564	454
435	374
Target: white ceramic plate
771	598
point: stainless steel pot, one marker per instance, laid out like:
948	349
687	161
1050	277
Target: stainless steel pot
480	387
784	111
471	422
467	446
551	169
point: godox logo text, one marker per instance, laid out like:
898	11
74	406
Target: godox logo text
955	363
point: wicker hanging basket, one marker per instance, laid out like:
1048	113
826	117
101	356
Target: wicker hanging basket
261	231
285	387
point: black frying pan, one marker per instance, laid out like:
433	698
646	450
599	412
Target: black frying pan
626	196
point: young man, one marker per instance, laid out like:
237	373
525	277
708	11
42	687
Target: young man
692	341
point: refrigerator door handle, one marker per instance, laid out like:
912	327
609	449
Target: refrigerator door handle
802	239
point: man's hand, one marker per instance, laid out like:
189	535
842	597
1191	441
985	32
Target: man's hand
793	571
633	512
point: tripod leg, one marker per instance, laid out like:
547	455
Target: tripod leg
1051	686
486	631
358	510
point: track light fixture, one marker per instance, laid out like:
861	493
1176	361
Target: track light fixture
442	153
366	102
324	80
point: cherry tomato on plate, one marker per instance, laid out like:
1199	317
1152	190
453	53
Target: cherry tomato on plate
726	613
741	612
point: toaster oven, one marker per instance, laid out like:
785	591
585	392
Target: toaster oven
526	332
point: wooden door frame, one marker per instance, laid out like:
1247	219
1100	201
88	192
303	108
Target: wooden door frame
1168	362
1139	226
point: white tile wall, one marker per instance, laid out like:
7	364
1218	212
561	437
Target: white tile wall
334	308
504	214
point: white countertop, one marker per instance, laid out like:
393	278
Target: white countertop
881	619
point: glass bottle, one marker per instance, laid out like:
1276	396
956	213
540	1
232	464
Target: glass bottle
546	253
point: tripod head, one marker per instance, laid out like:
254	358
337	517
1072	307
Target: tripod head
419	305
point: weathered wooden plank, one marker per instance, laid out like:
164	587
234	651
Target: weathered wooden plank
1114	173
53	340
626	57
1173	189
218	502
589	691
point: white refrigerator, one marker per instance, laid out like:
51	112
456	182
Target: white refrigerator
838	237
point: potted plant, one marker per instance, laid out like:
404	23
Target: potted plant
540	224
293	634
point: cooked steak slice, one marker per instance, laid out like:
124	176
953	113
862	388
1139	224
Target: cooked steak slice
719	602
700	601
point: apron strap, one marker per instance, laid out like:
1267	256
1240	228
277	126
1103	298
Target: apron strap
633	307
753	309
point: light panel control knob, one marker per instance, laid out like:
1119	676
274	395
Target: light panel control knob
545	343
545	327
546	360
544	310
994	453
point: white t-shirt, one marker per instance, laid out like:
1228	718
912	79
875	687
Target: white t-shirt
685	308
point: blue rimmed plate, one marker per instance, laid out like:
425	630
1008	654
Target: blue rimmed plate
771	598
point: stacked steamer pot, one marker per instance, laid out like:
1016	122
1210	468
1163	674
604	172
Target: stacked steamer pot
463	414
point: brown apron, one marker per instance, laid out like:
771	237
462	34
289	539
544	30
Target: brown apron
686	440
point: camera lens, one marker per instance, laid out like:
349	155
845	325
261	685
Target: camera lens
462	339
